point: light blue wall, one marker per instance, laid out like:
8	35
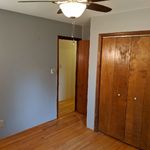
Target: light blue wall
28	49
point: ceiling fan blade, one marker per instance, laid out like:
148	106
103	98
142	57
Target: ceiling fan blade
59	11
96	0
36	1
98	7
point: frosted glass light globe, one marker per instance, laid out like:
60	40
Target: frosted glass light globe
72	9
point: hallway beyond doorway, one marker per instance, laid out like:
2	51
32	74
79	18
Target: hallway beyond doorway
67	76
66	106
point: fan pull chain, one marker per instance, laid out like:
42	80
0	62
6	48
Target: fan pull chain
73	30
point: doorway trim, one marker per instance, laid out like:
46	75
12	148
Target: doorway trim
59	37
99	62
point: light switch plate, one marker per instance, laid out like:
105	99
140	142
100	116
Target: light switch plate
52	70
1	123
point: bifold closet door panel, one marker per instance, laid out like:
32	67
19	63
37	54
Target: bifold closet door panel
138	76
116	125
145	136
106	88
114	84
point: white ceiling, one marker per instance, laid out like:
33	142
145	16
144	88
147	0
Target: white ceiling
48	10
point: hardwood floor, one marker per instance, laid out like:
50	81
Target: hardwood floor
65	107
66	133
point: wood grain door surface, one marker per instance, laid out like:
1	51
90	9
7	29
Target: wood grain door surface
114	86
124	108
137	131
82	76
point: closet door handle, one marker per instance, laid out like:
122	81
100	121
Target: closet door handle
135	98
118	94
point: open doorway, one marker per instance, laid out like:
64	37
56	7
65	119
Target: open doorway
72	77
67	56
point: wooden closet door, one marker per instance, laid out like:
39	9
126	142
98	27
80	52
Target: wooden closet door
114	85
106	83
82	76
137	118
145	133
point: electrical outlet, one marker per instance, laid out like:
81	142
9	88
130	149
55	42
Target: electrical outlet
1	123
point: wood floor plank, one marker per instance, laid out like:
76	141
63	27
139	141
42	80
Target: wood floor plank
66	133
66	107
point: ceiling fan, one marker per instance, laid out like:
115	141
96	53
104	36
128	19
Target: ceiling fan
74	8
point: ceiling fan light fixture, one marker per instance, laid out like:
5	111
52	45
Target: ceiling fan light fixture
72	9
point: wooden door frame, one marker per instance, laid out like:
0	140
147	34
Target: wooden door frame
59	37
99	62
